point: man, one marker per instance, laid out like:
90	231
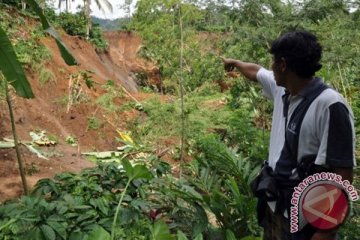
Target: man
310	121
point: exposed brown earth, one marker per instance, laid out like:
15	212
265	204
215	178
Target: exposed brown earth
48	112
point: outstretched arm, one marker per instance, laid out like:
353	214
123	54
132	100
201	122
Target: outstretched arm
249	70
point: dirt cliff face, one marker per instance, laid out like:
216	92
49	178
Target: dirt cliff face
50	109
104	66
123	50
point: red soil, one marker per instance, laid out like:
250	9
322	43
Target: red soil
47	112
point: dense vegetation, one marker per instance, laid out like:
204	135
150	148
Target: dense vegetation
226	131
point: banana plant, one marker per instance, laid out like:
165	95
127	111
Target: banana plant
11	68
14	74
65	53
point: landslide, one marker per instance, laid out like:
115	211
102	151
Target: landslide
50	110
123	51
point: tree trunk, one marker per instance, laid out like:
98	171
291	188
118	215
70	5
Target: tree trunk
181	85
16	142
59	6
23	5
88	18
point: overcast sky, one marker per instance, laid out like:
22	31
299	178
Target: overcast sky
106	14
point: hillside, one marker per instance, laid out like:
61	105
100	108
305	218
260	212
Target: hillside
52	112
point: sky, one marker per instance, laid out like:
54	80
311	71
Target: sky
106	14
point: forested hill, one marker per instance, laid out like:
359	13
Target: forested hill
111	24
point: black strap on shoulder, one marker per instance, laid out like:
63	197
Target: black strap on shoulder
289	153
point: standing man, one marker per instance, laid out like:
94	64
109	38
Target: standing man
312	128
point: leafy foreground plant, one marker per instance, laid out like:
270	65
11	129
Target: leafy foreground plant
82	207
82	204
125	201
224	177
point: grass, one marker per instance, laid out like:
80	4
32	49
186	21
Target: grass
106	100
63	100
203	113
32	169
46	76
93	123
53	137
209	113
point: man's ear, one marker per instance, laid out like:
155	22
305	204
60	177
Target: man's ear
282	65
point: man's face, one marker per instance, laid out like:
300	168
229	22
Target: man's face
278	66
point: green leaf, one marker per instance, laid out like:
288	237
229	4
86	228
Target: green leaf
16	227
56	218
191	191
138	171
160	231
12	69
234	188
86	216
181	235
34	234
251	238
98	233
62	209
127	167
140	203
66	55
77	236
199	237
59	228
106	222
82	207
128	216
48	232
101	204
69	199
141	171
202	222
8	223
229	235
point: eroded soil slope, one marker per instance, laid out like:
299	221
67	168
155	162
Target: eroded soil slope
64	106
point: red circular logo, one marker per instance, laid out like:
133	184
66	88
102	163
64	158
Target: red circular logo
325	206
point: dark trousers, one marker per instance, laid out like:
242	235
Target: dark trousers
277	227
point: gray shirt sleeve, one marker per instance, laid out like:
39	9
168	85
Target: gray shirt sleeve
267	81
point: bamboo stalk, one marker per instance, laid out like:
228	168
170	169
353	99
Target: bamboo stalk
342	81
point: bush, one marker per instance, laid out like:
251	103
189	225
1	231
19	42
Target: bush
224	177
75	25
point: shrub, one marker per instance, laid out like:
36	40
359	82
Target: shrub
75	25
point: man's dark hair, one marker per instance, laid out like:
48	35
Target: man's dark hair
301	51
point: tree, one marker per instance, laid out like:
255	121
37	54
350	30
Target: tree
317	10
67	4
87	11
